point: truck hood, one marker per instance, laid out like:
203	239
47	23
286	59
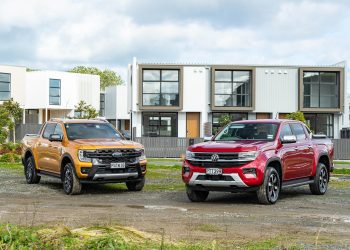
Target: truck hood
230	146
107	143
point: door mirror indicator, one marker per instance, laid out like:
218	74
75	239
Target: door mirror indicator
288	139
55	137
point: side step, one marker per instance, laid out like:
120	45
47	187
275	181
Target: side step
298	182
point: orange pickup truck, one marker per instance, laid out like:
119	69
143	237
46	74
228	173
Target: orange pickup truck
83	151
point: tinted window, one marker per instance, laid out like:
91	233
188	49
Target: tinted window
55	92
49	129
298	131
91	131
58	130
248	131
286	130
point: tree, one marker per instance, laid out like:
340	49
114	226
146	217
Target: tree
224	120
107	77
85	111
5	123
15	114
298	116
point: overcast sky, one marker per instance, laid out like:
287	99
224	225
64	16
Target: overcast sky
58	35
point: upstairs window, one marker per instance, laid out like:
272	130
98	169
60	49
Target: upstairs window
160	87
5	86
102	104
55	92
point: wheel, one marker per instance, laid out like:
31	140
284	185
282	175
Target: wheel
320	185
71	184
136	185
195	195
30	173
269	191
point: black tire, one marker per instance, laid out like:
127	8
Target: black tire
136	185
30	173
320	185
71	183
195	195
269	191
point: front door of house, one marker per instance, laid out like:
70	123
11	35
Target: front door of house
192	124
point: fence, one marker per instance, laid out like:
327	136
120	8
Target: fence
166	147
341	149
23	129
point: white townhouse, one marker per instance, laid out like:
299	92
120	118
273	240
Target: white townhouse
48	94
187	100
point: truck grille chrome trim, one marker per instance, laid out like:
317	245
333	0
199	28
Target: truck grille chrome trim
114	176
237	181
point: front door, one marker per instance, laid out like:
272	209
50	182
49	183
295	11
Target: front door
193	125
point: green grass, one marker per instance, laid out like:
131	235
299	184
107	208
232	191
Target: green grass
341	162
339	184
16	167
208	228
150	160
341	171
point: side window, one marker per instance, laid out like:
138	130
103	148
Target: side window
58	130
285	130
298	131
49	129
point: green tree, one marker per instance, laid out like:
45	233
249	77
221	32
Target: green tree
224	120
5	123
15	114
84	111
298	116
107	77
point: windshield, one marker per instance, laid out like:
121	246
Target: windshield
248	131
91	131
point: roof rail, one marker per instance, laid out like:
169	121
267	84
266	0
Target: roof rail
99	119
55	120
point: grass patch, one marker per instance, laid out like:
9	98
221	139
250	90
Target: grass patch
17	167
150	160
341	162
208	228
339	184
341	171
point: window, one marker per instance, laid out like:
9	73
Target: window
77	131
55	92
5	86
298	131
49	129
285	131
102	104
233	117
58	130
160	87
159	124
321	89
232	88
321	123
32	116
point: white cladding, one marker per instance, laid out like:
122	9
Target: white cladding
116	105
18	77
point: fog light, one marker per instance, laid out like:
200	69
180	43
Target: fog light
143	168
249	172
185	169
85	170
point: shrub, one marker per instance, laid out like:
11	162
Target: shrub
10	157
10	147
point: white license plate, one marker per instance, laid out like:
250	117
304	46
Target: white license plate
118	165
213	171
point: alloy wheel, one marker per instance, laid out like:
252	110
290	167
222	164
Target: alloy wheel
323	180
273	187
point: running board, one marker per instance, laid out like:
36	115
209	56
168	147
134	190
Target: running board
47	173
298	182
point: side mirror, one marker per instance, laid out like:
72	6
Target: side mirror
289	139
55	137
318	136
127	137
208	138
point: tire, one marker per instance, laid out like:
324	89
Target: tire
320	185
135	185
269	191
71	184
195	195
30	173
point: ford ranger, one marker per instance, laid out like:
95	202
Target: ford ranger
83	151
259	155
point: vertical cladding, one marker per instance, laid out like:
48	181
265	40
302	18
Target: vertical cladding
276	90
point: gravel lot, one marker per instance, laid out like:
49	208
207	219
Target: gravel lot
298	216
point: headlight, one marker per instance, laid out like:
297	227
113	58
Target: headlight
143	155
82	155
248	156
189	155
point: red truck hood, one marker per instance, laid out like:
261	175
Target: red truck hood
230	146
107	143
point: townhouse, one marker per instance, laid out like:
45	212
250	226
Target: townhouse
184	100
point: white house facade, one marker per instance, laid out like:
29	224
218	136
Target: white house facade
181	100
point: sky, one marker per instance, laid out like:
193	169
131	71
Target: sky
58	35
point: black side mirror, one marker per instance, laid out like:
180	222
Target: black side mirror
55	137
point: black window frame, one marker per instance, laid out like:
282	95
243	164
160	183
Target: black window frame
314	119
102	104
27	113
215	128
59	88
158	126
6	82
160	87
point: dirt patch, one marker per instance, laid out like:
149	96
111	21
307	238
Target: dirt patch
298	216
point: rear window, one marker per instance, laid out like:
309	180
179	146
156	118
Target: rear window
91	131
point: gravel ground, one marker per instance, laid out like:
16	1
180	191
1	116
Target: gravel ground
298	216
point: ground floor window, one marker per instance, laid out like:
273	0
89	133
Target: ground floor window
32	116
159	124
218	117
321	123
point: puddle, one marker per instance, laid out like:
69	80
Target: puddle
158	207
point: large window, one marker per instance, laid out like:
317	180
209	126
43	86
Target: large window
102	104
217	117
159	124
321	89
232	88
5	86
55	92
32	116
160	87
321	123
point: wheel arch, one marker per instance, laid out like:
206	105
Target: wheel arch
276	163
66	158
324	158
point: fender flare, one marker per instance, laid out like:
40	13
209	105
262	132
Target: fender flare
66	155
275	158
31	152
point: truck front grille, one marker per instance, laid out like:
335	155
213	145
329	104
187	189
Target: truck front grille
222	156
207	164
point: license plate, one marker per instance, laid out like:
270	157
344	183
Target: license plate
213	171
118	165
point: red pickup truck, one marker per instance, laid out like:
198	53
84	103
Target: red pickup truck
259	155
